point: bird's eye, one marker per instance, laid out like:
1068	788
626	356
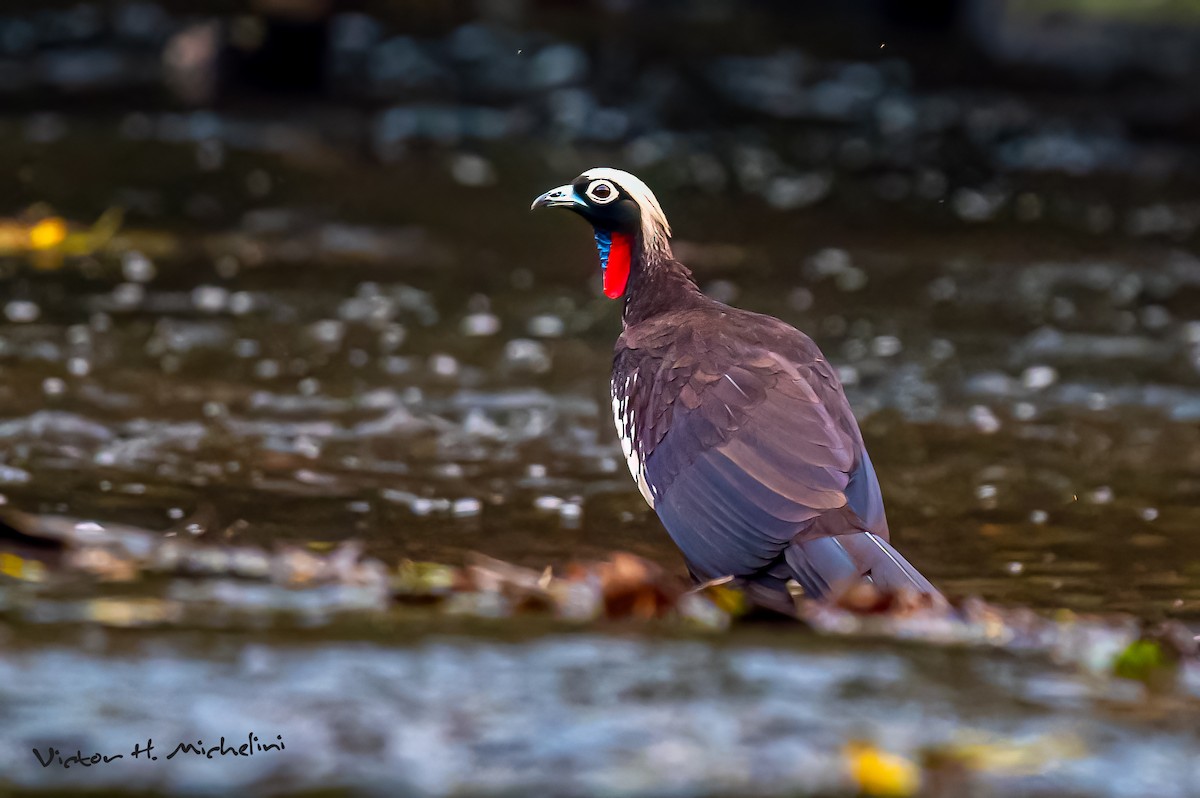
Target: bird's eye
601	192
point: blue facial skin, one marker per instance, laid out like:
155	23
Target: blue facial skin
603	243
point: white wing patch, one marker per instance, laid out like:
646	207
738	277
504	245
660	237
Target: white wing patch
626	422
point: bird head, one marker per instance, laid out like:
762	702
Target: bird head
629	224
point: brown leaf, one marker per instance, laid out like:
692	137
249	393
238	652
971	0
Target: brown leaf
633	587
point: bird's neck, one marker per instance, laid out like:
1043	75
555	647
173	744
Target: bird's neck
658	284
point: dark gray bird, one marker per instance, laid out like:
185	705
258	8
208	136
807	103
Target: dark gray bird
734	425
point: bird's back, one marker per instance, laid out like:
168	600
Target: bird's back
740	437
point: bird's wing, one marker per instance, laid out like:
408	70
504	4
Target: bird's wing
748	451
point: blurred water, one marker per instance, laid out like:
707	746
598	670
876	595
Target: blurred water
578	715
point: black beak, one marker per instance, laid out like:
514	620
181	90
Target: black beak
561	197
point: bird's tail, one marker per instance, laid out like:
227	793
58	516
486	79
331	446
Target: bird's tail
828	566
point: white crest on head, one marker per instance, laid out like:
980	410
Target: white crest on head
656	230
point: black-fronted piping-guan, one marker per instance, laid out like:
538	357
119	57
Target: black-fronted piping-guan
734	425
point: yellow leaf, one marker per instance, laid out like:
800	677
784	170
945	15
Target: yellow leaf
10	565
879	773
48	233
729	599
423	578
320	545
18	568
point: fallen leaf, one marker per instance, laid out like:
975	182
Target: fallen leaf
47	233
21	568
879	773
